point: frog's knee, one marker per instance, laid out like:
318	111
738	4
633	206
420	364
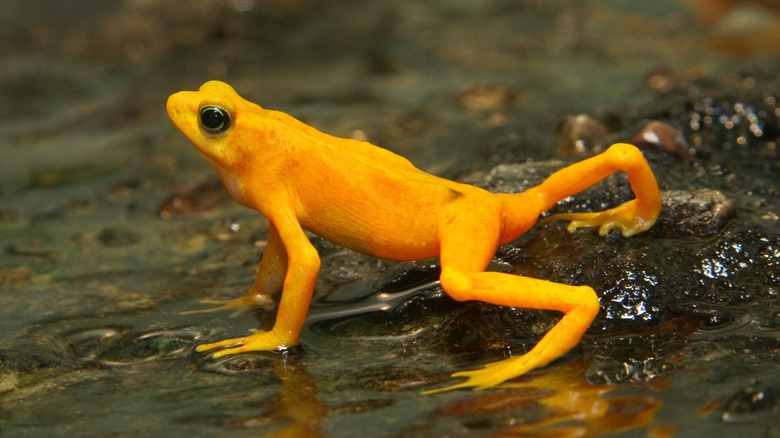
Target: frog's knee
588	302
623	149
624	152
457	284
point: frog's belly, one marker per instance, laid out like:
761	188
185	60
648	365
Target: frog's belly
379	233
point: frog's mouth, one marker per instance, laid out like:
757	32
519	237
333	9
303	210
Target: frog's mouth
181	108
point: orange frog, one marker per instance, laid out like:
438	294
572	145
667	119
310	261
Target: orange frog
373	201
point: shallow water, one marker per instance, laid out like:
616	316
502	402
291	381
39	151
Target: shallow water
94	280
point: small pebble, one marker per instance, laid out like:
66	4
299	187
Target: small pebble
578	135
663	137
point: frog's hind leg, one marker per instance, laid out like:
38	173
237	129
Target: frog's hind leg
467	246
633	217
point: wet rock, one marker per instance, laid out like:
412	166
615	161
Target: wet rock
749	404
29	364
739	268
633	359
700	213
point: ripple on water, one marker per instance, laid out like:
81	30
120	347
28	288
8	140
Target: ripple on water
113	346
718	321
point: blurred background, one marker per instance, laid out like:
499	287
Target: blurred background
111	225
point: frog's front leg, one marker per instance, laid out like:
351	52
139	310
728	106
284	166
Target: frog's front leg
302	265
269	281
633	217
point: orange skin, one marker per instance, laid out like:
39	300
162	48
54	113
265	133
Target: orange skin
373	201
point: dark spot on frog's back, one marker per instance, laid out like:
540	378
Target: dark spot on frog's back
454	195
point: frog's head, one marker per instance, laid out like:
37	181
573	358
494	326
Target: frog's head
208	118
224	128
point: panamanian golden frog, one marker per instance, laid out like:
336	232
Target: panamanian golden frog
373	201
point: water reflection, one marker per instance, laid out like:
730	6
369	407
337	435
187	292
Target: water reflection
556	403
295	409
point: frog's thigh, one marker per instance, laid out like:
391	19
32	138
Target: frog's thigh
467	247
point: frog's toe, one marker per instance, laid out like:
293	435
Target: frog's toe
576	220
627	226
237	343
220	306
258	341
237	305
476	379
480	379
228	351
492	375
584	220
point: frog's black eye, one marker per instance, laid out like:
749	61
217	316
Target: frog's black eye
214	120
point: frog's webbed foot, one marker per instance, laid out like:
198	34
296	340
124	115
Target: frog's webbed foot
257	341
237	305
492	374
625	218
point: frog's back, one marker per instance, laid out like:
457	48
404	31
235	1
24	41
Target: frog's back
340	147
